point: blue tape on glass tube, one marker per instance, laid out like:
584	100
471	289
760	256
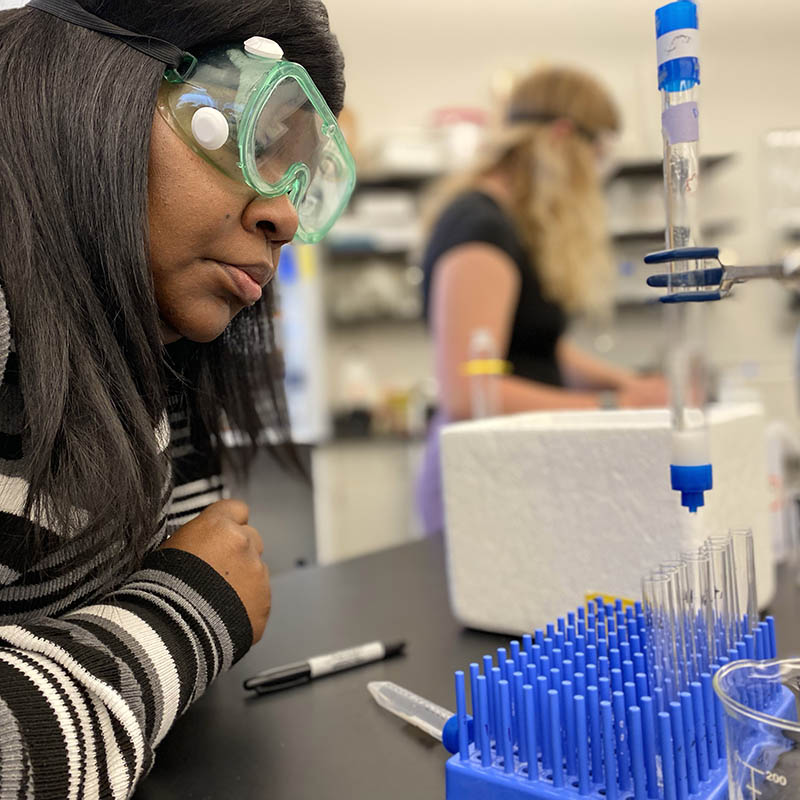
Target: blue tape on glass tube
677	44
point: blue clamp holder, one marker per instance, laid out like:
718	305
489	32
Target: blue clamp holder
713	280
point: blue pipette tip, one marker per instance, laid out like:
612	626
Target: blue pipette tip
692	482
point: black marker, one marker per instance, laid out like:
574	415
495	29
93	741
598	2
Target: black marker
271	680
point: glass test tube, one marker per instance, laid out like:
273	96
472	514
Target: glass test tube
483	374
678	83
724	602
697	599
674	571
745	574
663	634
652	626
688	377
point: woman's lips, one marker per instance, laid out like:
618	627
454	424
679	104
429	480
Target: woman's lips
246	286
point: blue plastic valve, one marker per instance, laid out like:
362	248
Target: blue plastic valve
692	482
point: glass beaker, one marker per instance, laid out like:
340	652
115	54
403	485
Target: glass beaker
762	731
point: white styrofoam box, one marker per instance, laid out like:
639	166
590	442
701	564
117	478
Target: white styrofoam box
542	508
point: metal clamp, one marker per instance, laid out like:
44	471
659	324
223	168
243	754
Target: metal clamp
712	280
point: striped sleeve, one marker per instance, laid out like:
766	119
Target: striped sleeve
96	663
86	697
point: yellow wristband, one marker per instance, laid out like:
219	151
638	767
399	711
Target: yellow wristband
486	366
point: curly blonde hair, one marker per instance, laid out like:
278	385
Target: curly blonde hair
556	194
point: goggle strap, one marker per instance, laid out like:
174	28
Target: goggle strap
158	49
535	116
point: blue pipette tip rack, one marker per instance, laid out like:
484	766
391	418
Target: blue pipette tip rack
570	715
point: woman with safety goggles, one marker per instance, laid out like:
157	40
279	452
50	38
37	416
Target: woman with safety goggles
518	244
154	159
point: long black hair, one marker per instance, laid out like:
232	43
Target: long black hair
78	108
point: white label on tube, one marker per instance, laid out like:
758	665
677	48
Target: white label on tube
681	123
683	43
334	662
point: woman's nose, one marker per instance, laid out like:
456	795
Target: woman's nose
275	216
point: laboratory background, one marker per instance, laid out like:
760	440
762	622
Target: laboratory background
597	616
423	85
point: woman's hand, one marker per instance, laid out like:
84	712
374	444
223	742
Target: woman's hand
220	536
644	392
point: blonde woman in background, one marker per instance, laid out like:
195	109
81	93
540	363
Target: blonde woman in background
518	244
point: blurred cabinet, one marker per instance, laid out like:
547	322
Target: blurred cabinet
362	496
378	372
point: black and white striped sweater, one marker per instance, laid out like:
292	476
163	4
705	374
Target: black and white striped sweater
91	679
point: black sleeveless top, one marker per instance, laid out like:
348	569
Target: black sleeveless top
538	323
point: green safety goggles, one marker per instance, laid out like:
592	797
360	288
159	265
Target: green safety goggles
256	117
261	120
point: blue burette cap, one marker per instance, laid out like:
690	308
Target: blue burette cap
692	482
676	16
